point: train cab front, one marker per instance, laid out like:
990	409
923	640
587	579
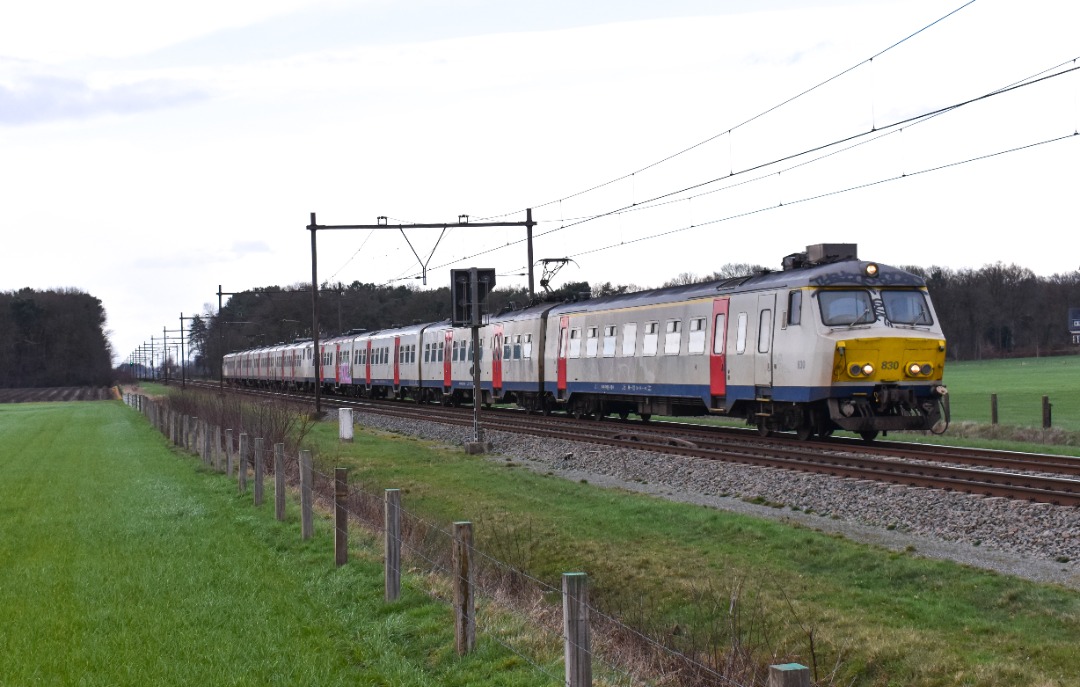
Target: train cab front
889	383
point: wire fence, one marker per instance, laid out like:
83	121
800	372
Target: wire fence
503	598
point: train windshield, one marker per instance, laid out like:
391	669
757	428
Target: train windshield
906	307
846	308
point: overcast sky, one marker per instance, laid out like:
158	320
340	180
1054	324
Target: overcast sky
150	152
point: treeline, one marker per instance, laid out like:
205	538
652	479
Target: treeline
53	338
995	311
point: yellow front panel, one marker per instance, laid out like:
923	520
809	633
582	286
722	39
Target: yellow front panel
889	360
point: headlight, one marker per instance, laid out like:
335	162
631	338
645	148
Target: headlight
861	370
871	270
919	369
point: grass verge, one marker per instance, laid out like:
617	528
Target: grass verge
124	564
706	581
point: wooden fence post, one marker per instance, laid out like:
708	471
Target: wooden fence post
279	481
789	675
577	650
464	603
341	516
306	477
993	409
392	548
258	471
215	460
228	452
206	454
1046	412
242	463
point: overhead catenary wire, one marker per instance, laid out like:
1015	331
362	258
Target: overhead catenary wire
763	113
1039	77
828	194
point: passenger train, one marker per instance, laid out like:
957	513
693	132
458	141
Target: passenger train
829	342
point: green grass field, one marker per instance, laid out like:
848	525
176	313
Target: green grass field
1020	385
124	564
880	618
876	617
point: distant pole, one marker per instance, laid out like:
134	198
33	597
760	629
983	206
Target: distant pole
313	228
183	355
529	224
478	393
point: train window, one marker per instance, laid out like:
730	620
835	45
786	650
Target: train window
590	342
906	307
718	334
696	343
844	308
648	344
575	343
740	342
794	308
629	339
439	352
517	347
427	352
526	346
764	337
672	337
507	348
609	341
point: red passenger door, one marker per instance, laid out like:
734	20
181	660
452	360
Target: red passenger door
496	358
564	345
718	352
448	342
397	368
367	365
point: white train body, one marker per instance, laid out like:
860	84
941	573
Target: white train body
829	342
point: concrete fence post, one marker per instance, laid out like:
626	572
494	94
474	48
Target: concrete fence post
789	675
345	425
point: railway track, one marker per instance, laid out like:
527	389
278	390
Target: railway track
1023	476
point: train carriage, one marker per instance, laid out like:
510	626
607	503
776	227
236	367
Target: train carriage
830	342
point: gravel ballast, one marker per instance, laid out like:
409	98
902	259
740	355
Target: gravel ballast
1038	542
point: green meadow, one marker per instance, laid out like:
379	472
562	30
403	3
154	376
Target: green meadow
124	563
1020	385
